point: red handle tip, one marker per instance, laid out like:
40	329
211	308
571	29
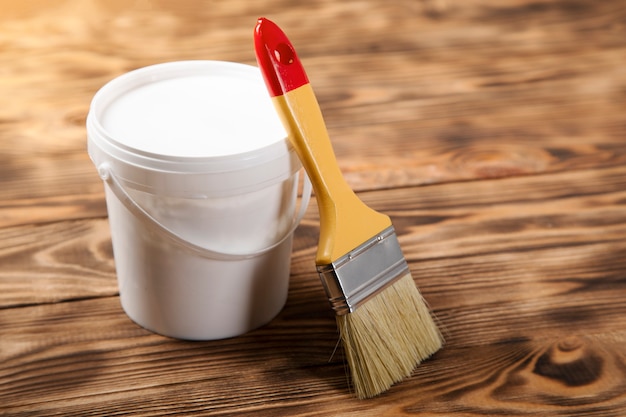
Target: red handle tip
279	63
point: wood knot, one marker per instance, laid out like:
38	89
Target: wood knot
570	362
570	344
568	371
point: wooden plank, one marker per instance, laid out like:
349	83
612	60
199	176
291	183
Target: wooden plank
525	275
42	210
443	92
565	215
492	133
87	358
56	262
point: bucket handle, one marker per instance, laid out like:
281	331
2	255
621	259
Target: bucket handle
108	176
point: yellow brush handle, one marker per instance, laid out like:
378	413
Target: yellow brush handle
345	221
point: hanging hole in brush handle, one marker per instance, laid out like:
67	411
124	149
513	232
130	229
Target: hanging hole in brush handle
108	176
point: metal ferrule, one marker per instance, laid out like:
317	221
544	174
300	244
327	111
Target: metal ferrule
363	272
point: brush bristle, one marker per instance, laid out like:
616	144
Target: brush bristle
387	337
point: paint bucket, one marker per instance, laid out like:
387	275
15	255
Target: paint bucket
201	189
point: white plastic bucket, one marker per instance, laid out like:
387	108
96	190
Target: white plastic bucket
201	189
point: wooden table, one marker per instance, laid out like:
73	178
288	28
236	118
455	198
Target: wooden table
492	132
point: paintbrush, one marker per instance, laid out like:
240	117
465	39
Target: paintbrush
384	323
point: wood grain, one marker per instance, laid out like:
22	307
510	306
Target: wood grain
537	336
492	132
56	262
444	90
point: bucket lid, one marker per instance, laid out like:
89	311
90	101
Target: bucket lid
190	128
